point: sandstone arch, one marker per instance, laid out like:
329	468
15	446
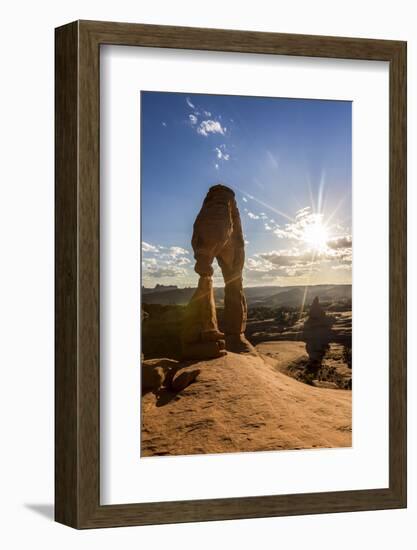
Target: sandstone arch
217	234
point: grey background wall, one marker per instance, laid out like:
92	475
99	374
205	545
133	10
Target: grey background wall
26	289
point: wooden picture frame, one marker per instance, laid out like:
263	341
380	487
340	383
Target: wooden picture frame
77	374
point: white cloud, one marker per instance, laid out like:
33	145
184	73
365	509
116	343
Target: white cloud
244	199
149	262
344	267
207	127
285	258
167	262
303	211
216	166
298	259
270	265
253	216
305	261
177	251
164	124
167	271
336	251
221	154
188	101
163	251
182	261
146	247
296	229
193	119
255	264
338	243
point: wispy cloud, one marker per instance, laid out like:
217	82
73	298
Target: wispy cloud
253	216
274	161
221	152
193	119
189	103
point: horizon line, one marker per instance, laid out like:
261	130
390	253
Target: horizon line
249	286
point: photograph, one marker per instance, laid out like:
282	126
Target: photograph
246	273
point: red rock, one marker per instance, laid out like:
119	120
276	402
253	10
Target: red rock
183	378
217	234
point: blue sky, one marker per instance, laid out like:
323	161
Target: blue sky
289	162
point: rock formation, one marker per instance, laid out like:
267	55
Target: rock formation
317	333
161	331
166	375
217	234
317	315
144	317
183	378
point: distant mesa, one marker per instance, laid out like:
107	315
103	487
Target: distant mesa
164	287
158	288
335	296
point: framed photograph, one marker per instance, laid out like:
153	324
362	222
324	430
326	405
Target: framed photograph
230	274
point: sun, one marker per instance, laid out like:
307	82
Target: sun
316	235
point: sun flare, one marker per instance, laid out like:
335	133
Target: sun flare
316	235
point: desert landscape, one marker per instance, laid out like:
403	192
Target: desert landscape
234	369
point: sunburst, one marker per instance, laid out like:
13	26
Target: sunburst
316	235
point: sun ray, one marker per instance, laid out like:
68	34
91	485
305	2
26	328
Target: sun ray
264	204
310	192
320	200
336	209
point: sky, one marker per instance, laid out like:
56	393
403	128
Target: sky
289	162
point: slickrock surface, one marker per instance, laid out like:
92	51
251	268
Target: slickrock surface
238	403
